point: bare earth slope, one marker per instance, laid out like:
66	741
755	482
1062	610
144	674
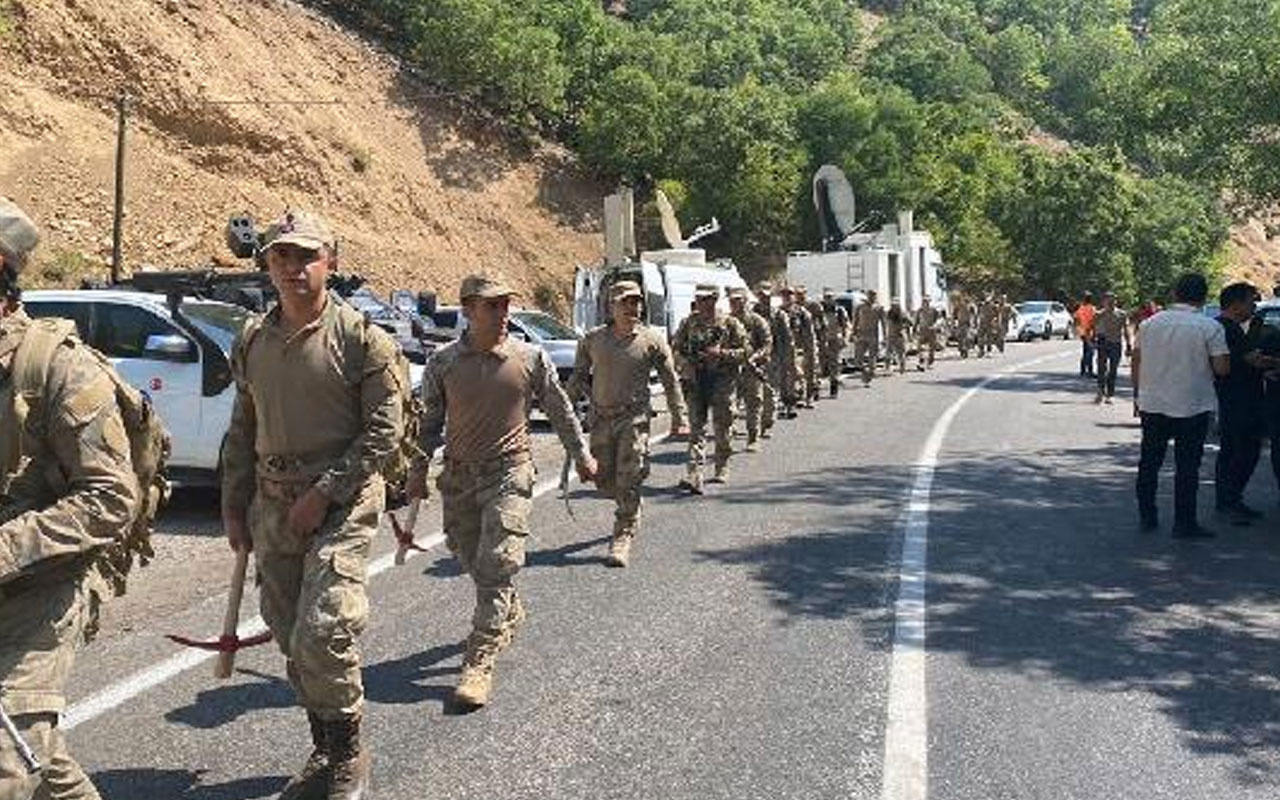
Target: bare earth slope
420	189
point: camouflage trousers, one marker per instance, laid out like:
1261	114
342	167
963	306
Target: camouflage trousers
963	335
486	509
866	349
786	375
718	408
751	393
927	341
620	446
831	350
312	591
40	630
896	344
809	363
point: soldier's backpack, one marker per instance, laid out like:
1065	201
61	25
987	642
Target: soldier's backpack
149	443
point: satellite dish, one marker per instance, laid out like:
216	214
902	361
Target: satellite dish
670	225
833	200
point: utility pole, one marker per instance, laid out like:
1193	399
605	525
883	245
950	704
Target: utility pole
122	100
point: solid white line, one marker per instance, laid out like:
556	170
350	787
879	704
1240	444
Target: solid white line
117	694
906	739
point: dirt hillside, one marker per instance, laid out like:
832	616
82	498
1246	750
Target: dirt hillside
420	189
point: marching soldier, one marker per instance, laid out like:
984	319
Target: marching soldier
836	326
818	314
964	315
613	365
480	388
752	380
807	344
897	326
867	321
1004	313
769	393
926	325
786	353
318	413
68	493
713	347
987	314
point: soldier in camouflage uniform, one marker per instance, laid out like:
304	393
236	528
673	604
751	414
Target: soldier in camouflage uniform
480	389
318	413
926	325
835	321
897	327
786	353
713	348
868	318
752	380
1004	314
965	314
806	335
769	391
986	326
612	366
68	493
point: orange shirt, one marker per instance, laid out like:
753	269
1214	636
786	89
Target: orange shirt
1084	319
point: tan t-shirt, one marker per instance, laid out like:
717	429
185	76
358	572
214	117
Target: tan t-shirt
618	368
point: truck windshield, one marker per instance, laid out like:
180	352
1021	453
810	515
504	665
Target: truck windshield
221	322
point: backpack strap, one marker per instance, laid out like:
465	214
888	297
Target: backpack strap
31	364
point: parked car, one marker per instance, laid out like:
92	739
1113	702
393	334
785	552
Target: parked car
559	340
179	356
1043	319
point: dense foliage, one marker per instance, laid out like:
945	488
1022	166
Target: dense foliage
1050	145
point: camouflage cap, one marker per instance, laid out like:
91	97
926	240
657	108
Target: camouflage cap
704	290
484	287
300	228
18	234
624	289
739	292
786	290
828	294
764	288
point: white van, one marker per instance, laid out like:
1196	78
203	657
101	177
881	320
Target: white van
668	279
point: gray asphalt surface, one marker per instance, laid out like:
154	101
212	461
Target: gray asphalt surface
745	653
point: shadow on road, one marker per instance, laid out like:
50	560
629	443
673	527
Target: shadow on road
214	708
177	784
1036	567
396	682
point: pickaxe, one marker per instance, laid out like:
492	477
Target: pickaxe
404	535
228	644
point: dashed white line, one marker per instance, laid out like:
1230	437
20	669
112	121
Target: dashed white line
906	740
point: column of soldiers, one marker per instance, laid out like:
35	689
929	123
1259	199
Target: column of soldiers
303	482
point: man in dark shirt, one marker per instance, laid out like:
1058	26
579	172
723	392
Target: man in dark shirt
1240	406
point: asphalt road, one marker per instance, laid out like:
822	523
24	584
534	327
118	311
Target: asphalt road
747	652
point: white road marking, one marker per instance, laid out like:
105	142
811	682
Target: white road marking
906	739
117	694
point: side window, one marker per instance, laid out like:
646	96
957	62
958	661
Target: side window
656	309
76	312
122	331
1058	308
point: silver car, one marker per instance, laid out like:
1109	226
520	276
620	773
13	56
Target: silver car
1042	319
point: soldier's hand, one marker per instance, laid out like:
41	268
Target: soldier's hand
712	352
237	528
308	512
587	469
680	430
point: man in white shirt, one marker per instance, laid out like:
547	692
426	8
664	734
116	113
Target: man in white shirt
1177	355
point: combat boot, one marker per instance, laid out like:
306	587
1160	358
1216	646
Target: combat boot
692	482
753	446
722	474
619	550
476	682
349	761
309	783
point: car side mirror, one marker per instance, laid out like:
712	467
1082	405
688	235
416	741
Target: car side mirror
170	346
518	334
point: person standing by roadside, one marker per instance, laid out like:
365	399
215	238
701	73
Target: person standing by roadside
1084	317
1111	339
1241	414
1178	353
612	366
480	389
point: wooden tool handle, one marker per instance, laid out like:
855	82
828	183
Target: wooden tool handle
231	622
